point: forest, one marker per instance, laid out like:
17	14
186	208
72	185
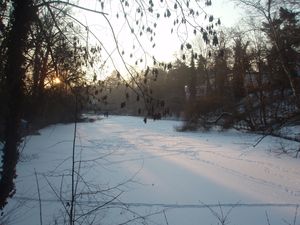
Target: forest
247	80
245	77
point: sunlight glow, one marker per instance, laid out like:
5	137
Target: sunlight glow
56	80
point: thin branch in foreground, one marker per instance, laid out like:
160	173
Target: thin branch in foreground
268	219
164	211
223	219
100	206
71	4
39	195
72	208
57	196
295	217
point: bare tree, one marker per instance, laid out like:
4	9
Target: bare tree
267	12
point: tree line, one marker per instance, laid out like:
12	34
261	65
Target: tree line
249	79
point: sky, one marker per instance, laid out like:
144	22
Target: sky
167	45
223	9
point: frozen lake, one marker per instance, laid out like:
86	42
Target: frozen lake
136	173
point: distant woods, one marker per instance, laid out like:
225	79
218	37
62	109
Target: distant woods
250	78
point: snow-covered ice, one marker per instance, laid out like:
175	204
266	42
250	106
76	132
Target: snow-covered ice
159	175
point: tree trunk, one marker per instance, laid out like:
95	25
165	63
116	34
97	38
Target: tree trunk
20	20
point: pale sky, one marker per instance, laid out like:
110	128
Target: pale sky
167	44
223	9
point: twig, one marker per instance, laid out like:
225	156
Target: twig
295	217
72	208
39	195
260	139
100	206
56	194
221	218
296	213
267	216
61	186
73	5
165	217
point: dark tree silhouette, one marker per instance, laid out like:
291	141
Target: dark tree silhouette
20	21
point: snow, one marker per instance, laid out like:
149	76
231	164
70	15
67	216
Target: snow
159	175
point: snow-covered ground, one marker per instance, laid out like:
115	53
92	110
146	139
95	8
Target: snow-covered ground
150	174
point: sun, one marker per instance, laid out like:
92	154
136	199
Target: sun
56	80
